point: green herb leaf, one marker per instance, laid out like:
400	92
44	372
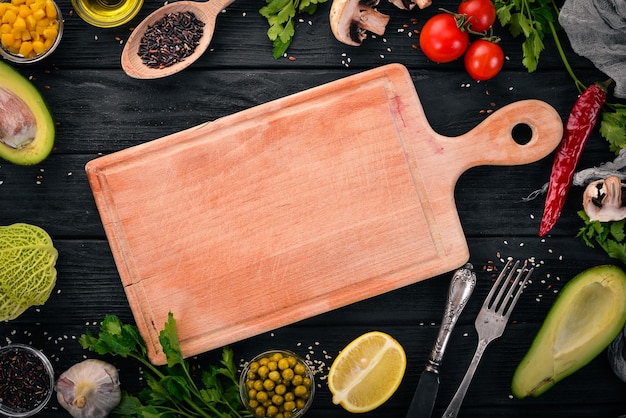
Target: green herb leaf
527	18
609	236
613	128
280	15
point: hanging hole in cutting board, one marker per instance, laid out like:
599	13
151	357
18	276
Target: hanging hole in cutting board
522	133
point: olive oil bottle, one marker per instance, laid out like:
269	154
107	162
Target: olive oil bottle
107	13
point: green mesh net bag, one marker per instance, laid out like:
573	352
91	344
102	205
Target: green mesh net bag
27	272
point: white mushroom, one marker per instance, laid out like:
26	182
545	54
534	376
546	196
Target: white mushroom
351	19
602	200
410	4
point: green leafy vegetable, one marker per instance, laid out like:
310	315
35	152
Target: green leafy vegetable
171	390
279	15
531	19
613	126
27	268
610	236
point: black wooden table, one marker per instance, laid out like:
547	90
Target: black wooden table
99	110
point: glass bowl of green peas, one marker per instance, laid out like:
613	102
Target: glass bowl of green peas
277	384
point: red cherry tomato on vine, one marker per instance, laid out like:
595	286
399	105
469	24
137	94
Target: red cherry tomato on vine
483	59
481	14
442	40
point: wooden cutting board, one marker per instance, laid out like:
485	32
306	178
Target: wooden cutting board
295	207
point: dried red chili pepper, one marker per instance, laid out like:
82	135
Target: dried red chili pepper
581	121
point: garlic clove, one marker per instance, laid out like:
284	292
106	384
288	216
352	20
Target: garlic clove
89	389
603	200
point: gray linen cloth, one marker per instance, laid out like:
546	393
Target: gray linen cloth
597	31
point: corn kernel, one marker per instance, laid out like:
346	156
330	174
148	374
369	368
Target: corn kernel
43	23
31	22
39	13
9	16
51	10
5	28
26	48
50	33
38	47
24	11
7	39
19	24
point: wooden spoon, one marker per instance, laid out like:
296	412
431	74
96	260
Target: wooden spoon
205	11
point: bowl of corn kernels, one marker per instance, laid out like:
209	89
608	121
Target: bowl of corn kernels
30	30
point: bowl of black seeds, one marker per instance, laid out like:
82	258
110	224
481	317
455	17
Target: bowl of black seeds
26	380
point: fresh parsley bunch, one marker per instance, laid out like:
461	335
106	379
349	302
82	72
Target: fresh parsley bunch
280	15
171	391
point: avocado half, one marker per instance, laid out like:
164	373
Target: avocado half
27	129
587	315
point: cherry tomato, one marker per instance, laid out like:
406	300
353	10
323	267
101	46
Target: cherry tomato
481	14
483	59
442	40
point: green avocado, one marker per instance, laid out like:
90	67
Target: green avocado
26	127
587	315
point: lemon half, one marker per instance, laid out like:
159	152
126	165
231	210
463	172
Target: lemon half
367	372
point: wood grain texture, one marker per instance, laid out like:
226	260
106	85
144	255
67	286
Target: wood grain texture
336	192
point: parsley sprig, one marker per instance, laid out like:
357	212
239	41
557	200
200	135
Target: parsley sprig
280	15
610	236
171	390
532	19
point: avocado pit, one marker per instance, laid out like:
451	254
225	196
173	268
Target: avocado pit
18	126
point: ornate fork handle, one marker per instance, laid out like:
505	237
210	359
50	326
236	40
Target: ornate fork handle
457	400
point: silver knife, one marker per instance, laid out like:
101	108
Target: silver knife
461	288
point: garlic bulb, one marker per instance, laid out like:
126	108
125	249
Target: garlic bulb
89	389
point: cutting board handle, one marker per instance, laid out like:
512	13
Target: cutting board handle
492	141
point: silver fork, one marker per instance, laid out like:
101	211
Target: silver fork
490	323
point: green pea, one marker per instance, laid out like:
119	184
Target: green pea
289	405
274	375
261	397
300	391
297	380
299	369
272	411
287	374
280	389
258	385
254	366
283	364
259	412
268	384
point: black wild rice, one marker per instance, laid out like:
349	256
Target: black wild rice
170	39
24	380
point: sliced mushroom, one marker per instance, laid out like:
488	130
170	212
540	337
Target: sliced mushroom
410	4
603	200
351	19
